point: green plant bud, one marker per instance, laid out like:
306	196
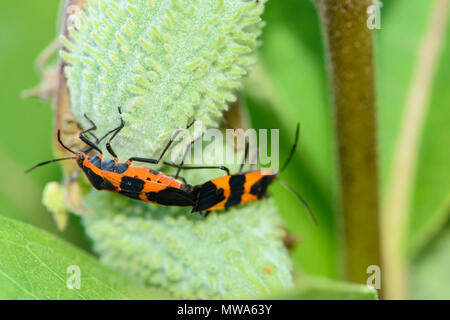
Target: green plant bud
53	200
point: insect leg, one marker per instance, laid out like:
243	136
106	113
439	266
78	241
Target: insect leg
291	154
63	145
245	155
205	214
116	131
182	167
197	167
97	141
90	143
86	140
94	126
188	149
246	152
156	161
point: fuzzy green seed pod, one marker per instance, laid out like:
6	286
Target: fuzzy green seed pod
234	255
166	62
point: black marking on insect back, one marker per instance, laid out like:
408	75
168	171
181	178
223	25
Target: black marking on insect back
172	197
108	185
95	179
236	183
108	165
208	195
153	171
128	194
233	200
120	168
131	184
96	161
259	189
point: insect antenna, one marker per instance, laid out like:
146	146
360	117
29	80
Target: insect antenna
47	162
70	150
291	154
299	197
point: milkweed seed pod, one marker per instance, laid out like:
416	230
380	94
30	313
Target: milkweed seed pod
166	62
163	62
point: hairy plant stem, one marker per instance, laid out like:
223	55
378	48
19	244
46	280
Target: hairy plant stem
349	45
64	119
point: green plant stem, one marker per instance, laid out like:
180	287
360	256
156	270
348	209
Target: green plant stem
349	45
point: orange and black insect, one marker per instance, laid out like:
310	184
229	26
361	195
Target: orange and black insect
242	187
136	182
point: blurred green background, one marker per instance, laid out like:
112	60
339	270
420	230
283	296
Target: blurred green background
290	84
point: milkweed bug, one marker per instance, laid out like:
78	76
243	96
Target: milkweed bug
136	182
239	188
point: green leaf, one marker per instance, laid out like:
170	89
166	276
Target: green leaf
325	289
34	264
430	198
430	207
401	35
430	276
413	134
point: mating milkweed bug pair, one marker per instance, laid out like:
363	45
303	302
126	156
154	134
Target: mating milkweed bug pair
152	186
